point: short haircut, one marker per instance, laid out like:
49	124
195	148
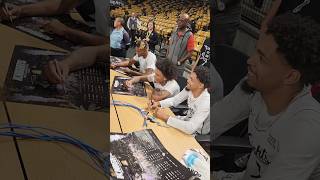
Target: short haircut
121	20
298	39
167	68
142	44
203	75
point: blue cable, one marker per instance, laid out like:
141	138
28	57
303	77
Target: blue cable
100	160
142	112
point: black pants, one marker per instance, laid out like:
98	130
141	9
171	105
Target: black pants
133	36
226	33
118	52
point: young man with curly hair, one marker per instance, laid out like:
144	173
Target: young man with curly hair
197	120
284	119
164	80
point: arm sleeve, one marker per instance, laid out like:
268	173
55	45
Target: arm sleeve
229	111
151	63
135	57
176	100
196	121
190	43
172	87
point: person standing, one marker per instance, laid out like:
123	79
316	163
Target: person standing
181	44
227	15
132	24
151	36
119	38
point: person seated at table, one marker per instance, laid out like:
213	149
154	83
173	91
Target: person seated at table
283	117
57	71
119	39
145	58
56	7
197	121
164	80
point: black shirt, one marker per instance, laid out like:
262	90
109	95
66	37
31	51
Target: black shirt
311	9
86	9
231	14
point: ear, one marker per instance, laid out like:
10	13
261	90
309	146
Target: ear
293	77
201	86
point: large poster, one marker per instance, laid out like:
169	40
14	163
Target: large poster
140	155
85	89
119	87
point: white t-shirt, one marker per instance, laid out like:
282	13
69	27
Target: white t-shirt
285	146
146	63
198	118
171	86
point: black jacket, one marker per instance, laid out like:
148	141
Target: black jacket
154	39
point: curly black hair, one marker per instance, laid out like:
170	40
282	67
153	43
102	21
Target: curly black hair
298	39
167	68
203	75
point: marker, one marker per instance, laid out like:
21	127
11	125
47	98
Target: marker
58	71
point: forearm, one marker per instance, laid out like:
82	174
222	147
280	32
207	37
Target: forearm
45	8
187	127
190	126
149	71
86	56
66	5
160	95
187	56
123	64
136	73
176	100
84	38
142	78
271	13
